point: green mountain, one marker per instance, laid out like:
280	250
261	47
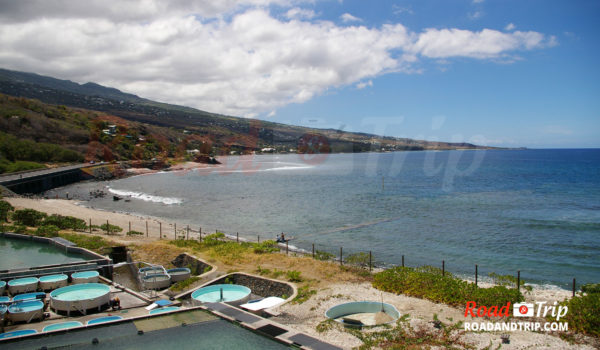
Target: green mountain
76	115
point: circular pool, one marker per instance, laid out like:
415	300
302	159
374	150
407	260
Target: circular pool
156	281
80	297
363	313
179	274
2	287
228	293
4	300
23	285
26	311
53	281
3	309
85	277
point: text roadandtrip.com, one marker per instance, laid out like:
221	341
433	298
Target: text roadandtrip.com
518	310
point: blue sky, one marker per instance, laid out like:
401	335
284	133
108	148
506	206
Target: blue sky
501	73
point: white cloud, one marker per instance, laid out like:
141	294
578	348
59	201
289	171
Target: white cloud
299	13
510	27
236	58
346	17
361	85
488	43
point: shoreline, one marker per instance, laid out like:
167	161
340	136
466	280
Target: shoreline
305	317
138	221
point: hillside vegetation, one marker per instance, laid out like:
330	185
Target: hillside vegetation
93	122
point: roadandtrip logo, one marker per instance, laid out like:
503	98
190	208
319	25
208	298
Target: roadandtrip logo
540	309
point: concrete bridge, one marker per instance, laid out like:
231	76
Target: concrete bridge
37	181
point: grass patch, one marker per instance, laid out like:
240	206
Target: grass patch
185	284
134	233
428	283
94	243
110	229
304	293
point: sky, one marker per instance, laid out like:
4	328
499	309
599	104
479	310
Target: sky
507	73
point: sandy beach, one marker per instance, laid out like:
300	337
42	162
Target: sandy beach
306	316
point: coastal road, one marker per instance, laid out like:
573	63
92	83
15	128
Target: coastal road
7	178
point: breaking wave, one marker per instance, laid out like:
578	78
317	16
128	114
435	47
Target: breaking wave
146	197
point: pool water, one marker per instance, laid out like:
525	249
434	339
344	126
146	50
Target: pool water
25	306
80	292
212	294
85	274
103	320
213	334
25	296
164	309
17	333
22	253
53	278
22	281
62	325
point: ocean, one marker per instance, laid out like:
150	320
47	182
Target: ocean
537	211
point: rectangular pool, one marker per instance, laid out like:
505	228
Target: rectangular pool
201	331
24	253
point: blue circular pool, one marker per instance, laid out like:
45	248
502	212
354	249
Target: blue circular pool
228	293
363	313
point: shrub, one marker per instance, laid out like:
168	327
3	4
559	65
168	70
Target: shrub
110	228
90	242
65	222
583	316
182	285
28	217
134	233
294	276
269	246
360	259
428	283
5	208
591	288
304	293
214	239
321	255
47	231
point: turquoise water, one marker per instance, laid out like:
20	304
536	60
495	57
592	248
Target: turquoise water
17	333
28	296
164	309
53	278
211	335
80	292
22	281
212	294
62	325
4	299
21	253
537	211
3	309
103	320
25	306
85	274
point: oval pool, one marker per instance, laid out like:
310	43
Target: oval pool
164	309
62	325
23	285
85	277
26	296
179	274
80	297
53	281
157	281
228	293
17	333
26	311
105	319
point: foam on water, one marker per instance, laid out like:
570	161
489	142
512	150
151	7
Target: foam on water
145	196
